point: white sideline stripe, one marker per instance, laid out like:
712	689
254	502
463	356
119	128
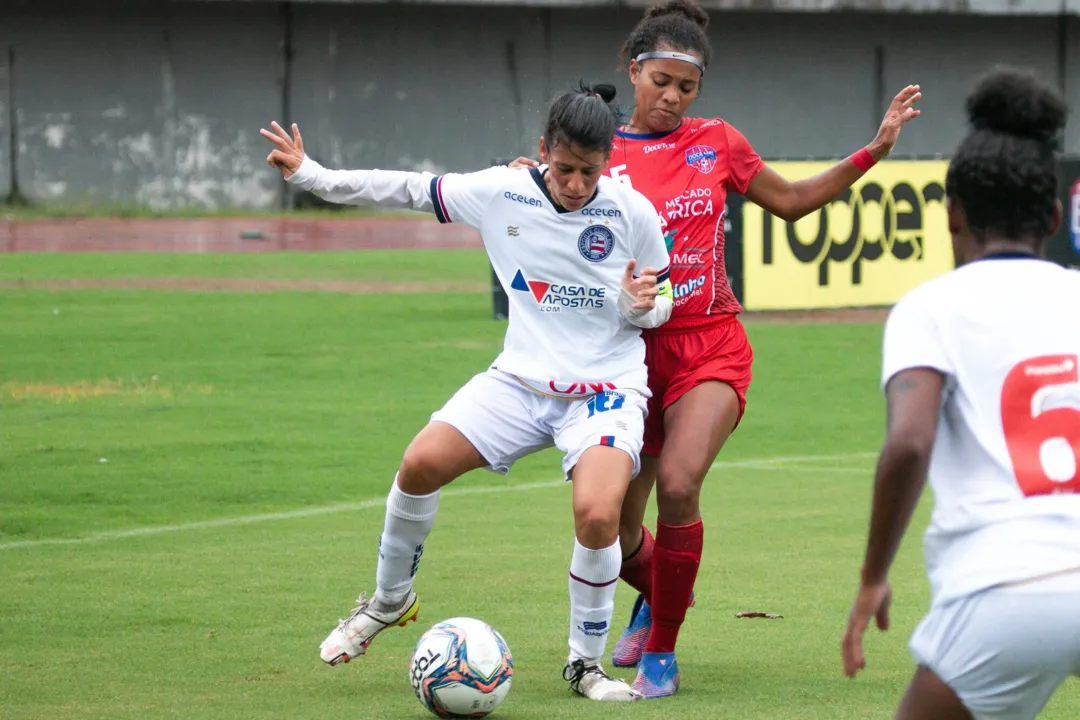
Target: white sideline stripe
830	469
768	462
763	464
266	517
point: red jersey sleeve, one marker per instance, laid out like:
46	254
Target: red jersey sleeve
745	162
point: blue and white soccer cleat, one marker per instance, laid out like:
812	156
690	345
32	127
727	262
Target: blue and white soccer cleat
631	644
658	675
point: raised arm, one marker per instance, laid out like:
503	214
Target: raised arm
793	200
381	188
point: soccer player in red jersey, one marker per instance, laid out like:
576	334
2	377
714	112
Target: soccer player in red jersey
699	362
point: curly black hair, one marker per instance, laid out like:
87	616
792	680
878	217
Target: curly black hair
677	24
584	117
1004	173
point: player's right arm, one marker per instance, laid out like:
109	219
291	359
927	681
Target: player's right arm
914	369
451	197
379	188
915	365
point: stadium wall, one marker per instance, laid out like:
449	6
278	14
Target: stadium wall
117	102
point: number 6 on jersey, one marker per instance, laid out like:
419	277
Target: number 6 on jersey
1038	440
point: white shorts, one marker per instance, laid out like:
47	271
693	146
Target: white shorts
505	421
1005	650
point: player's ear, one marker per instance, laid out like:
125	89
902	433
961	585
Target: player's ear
635	71
962	240
1057	218
956	217
543	151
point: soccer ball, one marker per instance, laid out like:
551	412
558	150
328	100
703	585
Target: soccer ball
461	667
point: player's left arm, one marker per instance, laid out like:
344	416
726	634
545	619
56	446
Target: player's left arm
915	366
646	298
792	200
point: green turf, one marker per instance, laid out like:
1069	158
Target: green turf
458	267
127	410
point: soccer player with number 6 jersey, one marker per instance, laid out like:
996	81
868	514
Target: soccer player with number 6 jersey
980	372
568	243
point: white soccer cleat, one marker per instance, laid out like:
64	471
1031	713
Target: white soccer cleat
352	636
588	679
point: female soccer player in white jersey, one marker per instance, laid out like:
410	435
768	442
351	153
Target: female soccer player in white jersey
565	241
980	374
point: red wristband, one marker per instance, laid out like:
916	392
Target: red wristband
863	160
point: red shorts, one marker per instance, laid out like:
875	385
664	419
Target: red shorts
687	355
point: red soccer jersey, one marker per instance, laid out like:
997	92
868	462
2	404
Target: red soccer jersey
686	174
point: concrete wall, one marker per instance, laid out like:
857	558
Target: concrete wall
158	105
5	113
992	7
161	103
1072	82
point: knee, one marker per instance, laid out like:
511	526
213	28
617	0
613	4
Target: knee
422	472
678	492
597	527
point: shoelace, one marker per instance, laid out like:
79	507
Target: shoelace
362	604
575	671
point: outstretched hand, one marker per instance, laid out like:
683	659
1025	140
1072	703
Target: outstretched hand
900	112
288	152
642	288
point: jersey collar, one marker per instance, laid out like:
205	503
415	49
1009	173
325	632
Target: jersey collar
1010	255
538	177
649	136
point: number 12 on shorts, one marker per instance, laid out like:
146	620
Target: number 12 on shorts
1035	437
602	402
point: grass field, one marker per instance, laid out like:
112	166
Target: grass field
191	488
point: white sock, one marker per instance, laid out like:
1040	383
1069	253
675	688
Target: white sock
409	519
593	574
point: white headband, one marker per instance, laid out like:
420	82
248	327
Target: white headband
663	54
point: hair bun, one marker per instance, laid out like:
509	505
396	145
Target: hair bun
1017	103
604	90
687	8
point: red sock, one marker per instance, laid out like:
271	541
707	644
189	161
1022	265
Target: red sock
678	555
637	570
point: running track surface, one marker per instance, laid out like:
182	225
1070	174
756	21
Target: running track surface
276	235
230	235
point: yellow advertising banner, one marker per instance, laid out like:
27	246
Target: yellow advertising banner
879	239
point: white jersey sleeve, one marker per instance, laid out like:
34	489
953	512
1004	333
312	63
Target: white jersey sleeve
464	197
382	188
649	247
649	250
913	338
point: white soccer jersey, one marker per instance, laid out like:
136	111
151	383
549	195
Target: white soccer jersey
561	269
1005	332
